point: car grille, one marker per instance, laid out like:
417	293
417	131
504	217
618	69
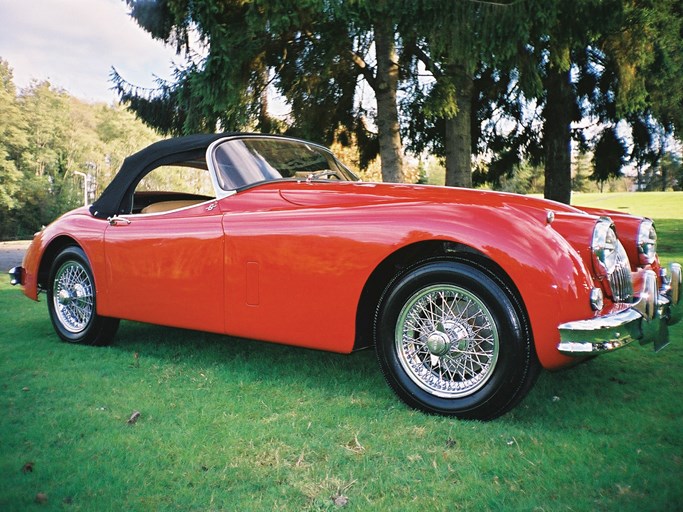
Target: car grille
620	280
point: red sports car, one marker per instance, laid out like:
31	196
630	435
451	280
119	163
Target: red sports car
464	294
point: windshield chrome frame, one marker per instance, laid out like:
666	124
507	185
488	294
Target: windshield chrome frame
213	166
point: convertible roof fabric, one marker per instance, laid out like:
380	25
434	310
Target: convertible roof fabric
117	197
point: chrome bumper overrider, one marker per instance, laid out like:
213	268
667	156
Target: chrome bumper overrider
646	320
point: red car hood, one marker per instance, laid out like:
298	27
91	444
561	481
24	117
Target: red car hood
348	194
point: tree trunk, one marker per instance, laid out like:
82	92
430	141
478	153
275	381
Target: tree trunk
458	136
265	123
390	149
557	136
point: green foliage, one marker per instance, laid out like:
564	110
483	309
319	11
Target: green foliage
451	40
312	52
622	62
525	179
666	175
225	88
521	71
13	138
45	138
318	78
609	157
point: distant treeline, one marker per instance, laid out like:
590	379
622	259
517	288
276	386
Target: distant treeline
46	138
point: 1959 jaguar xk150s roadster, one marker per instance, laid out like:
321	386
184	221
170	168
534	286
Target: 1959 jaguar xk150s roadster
465	294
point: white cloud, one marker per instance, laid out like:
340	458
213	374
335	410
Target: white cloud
74	44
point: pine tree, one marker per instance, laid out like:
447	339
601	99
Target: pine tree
453	40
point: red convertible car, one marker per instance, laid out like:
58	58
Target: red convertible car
464	294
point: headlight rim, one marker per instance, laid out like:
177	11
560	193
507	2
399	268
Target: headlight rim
646	242
604	247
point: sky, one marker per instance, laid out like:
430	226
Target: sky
74	44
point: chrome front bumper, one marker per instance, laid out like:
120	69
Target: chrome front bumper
646	320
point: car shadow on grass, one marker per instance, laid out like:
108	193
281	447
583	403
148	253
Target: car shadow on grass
630	389
244	359
604	394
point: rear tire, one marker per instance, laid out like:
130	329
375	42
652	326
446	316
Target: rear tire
452	340
71	301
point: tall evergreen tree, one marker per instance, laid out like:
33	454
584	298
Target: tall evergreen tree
609	157
223	88
314	52
452	40
606	61
545	64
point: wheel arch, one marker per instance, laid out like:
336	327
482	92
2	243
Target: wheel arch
408	256
56	246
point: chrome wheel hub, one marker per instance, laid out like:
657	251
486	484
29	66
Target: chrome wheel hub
64	297
447	341
447	336
73	298
438	343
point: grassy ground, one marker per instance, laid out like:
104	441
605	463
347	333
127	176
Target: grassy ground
657	205
231	424
665	207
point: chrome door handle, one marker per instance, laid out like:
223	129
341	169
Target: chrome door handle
114	221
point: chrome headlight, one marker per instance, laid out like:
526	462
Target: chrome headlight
647	242
604	246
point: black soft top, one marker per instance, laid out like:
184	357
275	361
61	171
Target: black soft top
117	198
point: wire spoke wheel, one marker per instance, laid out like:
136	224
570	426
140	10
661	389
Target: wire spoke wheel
447	341
73	296
451	339
71	301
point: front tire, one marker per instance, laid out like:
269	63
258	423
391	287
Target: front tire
452	340
71	301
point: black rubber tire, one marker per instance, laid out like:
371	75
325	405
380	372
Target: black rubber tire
84	326
507	378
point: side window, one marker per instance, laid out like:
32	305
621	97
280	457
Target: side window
172	187
181	179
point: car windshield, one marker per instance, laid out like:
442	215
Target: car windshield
245	161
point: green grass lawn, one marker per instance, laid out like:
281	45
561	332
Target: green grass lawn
657	205
232	424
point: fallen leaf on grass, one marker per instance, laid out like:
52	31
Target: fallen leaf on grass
340	500
134	417
623	489
355	446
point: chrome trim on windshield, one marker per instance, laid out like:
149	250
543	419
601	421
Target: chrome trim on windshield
222	192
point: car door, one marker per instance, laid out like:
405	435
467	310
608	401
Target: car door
167	267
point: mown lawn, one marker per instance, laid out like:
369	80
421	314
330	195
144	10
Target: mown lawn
657	205
232	424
